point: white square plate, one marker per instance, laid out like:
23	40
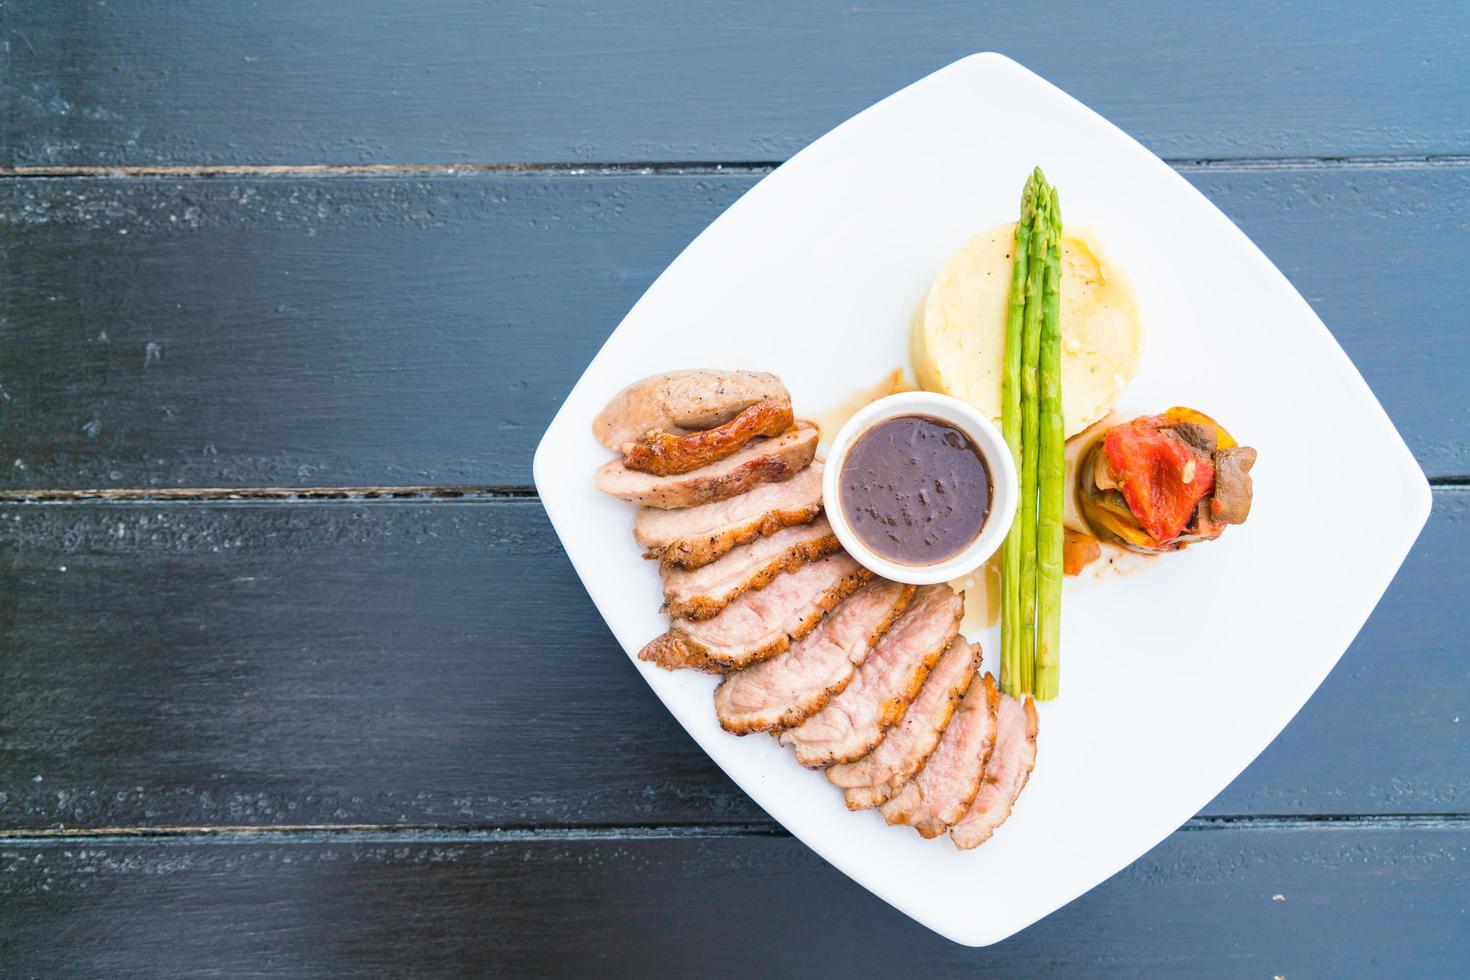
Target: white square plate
816	273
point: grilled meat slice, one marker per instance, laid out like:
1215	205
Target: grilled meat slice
874	778
665	454
701	593
857	719
695	536
758	625
760	461
941	793
785	690
681	401
1006	773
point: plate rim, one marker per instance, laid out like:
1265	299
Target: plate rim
1418	492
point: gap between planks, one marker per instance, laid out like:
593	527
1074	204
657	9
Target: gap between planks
685	168
692	167
156	494
410	493
517	834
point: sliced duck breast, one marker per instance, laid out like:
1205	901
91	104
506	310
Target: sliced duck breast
1006	774
760	461
701	593
695	536
874	778
666	454
890	676
680	401
939	794
785	690
758	625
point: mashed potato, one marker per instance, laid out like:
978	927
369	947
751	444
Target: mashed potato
959	338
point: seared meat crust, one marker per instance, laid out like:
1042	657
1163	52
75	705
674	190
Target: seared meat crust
1006	774
758	625
941	793
701	593
695	536
874	778
760	461
855	721
664	454
682	401
784	691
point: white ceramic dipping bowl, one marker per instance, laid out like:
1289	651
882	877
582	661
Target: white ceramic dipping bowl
983	433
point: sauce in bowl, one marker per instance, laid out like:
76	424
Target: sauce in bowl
915	489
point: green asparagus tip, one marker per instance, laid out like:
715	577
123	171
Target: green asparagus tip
1028	199
1042	219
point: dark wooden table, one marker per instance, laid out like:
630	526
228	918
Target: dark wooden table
294	676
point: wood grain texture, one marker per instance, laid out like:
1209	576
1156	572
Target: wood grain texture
322	663
617	80
369	332
1258	901
437	663
186	668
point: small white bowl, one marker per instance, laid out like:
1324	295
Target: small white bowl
1004	489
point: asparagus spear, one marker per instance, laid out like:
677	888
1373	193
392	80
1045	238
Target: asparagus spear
1030	443
1050	492
1010	425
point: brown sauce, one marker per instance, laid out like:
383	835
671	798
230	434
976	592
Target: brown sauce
915	489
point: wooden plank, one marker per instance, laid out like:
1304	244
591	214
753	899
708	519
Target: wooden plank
1362	743
617	80
439	663
365	332
327	663
1247	901
336	333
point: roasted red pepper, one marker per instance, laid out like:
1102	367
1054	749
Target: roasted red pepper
1161	477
